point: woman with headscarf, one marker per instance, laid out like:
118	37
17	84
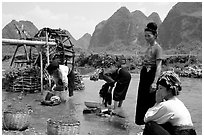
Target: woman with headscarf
149	73
62	76
168	116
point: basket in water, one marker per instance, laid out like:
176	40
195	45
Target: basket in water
62	127
16	120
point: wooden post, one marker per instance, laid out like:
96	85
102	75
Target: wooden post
48	58
28	42
41	71
14	55
37	44
30	56
27	56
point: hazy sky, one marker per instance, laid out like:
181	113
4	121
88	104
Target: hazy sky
76	17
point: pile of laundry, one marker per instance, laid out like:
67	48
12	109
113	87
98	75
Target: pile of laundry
51	99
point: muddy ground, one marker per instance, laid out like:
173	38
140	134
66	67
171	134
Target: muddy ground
91	124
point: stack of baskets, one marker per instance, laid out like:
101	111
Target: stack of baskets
26	79
78	82
59	127
16	120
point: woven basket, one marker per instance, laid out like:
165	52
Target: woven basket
16	121
25	79
62	127
26	83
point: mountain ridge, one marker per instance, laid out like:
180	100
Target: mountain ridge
124	30
183	24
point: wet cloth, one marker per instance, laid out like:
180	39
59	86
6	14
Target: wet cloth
51	99
107	96
71	80
145	100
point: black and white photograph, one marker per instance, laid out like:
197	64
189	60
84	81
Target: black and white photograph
101	67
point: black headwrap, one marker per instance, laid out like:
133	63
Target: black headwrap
152	27
52	66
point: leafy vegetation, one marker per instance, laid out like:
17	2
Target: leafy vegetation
180	64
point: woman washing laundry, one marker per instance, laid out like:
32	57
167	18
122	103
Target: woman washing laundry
120	76
59	74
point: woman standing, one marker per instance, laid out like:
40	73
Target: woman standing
149	74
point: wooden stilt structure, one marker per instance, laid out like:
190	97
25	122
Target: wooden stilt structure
54	49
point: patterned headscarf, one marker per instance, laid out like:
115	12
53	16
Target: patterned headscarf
170	80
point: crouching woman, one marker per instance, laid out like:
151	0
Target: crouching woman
63	78
168	116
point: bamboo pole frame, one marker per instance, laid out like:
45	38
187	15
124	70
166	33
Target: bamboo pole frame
48	58
17	42
38	44
27	42
41	72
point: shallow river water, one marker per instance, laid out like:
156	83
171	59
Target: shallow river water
95	125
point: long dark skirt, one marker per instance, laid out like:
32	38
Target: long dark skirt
71	85
152	128
120	91
107	97
145	100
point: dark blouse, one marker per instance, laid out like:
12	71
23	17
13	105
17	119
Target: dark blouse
120	75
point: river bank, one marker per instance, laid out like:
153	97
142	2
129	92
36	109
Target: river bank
92	124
